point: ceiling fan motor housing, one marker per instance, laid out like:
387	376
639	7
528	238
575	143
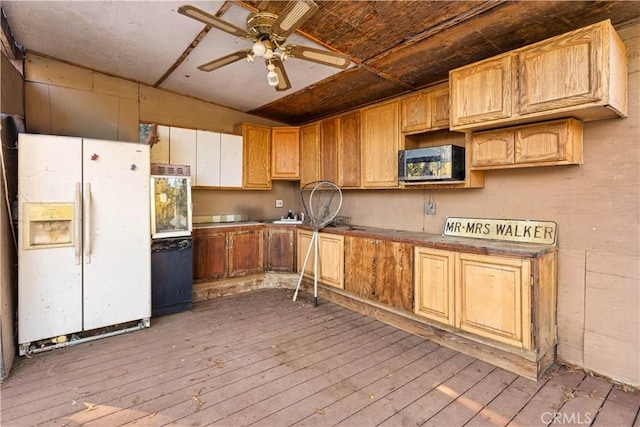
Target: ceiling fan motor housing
259	25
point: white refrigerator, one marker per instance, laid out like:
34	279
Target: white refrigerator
84	236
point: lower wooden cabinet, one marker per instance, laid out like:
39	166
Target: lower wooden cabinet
246	252
219	253
506	299
434	284
494	298
380	270
280	253
209	254
330	257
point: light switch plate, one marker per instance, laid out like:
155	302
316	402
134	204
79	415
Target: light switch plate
279	203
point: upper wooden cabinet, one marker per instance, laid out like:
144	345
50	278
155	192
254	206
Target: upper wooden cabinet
582	74
380	142
482	92
309	153
330	150
256	154
349	151
329	140
551	143
285	153
425	111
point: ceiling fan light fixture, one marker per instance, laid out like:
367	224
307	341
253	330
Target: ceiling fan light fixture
272	77
259	49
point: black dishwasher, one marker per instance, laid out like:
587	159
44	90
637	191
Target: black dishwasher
171	275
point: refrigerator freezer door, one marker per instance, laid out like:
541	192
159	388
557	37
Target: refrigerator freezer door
50	281
117	281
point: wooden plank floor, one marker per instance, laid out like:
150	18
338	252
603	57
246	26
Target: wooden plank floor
261	359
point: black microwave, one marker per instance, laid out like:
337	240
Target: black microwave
441	163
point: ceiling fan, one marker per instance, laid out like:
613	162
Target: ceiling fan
268	33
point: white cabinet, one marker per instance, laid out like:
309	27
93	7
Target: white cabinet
182	150
230	160
207	159
218	160
160	150
215	158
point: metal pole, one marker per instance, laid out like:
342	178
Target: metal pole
304	264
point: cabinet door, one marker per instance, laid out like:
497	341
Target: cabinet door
246	255
331	259
380	142
209	255
562	71
415	113
493	298
435	284
360	266
393	274
482	91
256	147
309	153
329	134
304	241
160	150
439	106
349	151
492	148
230	160
207	158
557	142
182	150
285	153
280	253
380	270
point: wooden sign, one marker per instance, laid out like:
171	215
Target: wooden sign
512	230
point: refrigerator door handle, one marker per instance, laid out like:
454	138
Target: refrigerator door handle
77	239
87	223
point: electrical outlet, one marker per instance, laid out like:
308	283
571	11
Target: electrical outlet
429	208
279	203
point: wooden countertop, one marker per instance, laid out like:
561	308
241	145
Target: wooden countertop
436	241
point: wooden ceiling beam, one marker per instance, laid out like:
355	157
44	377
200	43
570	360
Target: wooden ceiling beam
10	48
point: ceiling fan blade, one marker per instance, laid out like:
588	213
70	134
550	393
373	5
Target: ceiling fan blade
292	17
283	79
225	60
212	20
320	56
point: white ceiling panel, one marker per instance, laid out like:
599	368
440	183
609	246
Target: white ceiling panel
139	40
142	40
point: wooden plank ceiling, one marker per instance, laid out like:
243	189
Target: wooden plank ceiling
401	46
